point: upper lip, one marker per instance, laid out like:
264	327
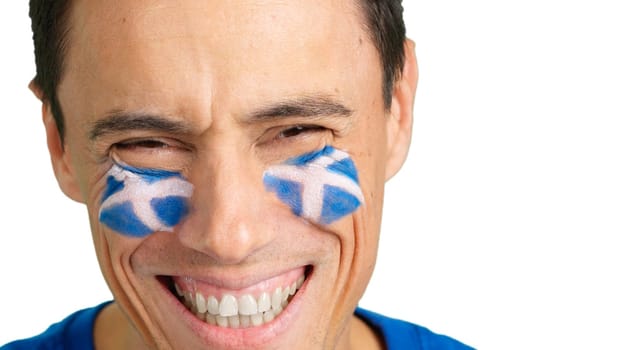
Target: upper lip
233	279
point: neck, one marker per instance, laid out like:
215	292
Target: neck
363	337
113	330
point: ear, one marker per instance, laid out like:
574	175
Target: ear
60	156
399	129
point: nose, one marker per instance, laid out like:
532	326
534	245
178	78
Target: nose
227	221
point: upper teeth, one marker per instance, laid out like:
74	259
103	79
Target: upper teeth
243	311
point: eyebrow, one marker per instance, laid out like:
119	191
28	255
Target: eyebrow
306	106
119	121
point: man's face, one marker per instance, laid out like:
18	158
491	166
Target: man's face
219	92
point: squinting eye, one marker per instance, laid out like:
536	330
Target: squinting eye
141	144
299	129
152	152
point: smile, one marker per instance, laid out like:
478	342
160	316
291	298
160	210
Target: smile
251	306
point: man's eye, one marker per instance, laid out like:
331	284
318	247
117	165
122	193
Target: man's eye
152	153
151	144
299	129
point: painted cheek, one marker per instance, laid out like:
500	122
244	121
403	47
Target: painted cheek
137	202
320	186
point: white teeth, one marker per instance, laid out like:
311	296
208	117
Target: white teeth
257	319
212	305
211	319
200	315
228	306
292	289
268	316
263	303
188	299
285	294
276	298
222	321
245	321
247	305
242	312
200	302
234	321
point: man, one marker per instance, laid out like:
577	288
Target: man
232	157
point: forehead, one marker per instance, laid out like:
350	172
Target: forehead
162	52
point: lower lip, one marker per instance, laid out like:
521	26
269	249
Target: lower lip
253	337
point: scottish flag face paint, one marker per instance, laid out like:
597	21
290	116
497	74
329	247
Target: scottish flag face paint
320	186
137	202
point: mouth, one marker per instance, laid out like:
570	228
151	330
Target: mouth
238	308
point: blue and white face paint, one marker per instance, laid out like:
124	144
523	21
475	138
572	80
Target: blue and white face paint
320	186
137	202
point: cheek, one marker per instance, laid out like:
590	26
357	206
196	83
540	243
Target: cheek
138	202
321	186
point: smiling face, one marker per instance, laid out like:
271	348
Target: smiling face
220	94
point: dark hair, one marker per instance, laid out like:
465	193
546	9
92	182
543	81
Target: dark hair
383	20
49	28
385	23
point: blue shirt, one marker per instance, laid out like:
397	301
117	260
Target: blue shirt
398	334
73	333
76	333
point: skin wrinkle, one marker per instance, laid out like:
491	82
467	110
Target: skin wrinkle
347	247
126	261
359	242
115	284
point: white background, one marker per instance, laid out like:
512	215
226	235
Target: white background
501	230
